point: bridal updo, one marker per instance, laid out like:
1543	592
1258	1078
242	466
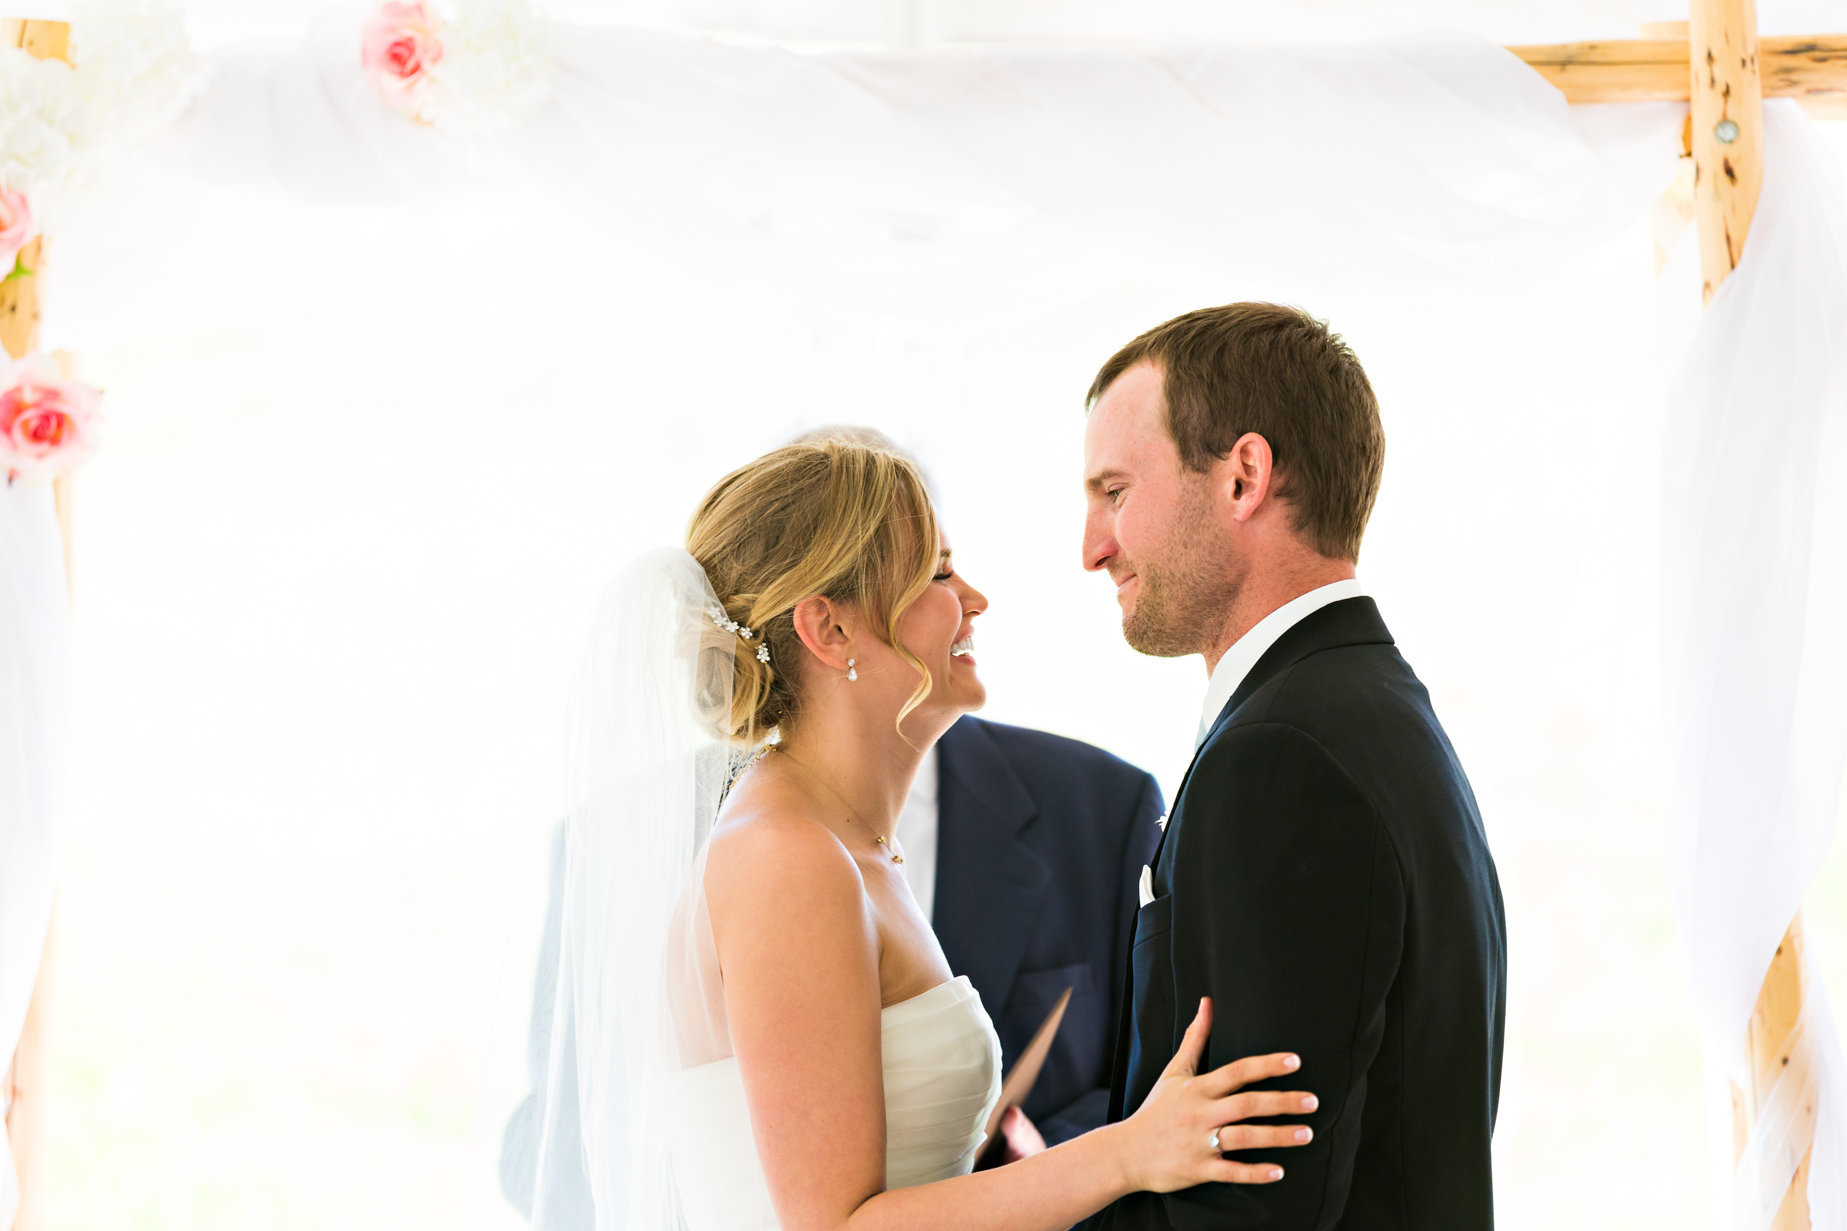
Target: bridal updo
833	515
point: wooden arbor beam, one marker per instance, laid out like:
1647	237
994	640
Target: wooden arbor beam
1812	69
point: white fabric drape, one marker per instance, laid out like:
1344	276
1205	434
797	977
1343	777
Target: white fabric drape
35	749
1754	631
890	180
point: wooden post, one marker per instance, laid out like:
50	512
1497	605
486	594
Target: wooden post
1727	125
19	302
1771	1041
1728	131
19	298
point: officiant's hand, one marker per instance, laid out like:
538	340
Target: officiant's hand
1179	1136
1021	1136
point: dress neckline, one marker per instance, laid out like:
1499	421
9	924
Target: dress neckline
949	992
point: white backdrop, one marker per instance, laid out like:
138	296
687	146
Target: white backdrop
367	467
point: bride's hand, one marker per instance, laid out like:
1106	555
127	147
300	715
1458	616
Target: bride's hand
1170	1138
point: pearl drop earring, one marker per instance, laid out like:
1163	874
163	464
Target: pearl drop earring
851	673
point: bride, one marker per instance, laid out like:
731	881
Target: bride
758	1028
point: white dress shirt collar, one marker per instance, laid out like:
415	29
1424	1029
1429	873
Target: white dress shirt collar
1246	650
918	825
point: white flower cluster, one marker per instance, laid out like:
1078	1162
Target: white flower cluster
47	127
136	66
494	71
135	72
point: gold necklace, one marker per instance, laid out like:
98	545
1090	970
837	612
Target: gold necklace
852	815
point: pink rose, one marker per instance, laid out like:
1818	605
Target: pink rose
47	423
16	227
398	47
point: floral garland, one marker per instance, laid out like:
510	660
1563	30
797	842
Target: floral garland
17	229
465	65
46	128
134	72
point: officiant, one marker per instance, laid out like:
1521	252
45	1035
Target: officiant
1022	848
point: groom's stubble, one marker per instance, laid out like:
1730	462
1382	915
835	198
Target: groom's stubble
1184	594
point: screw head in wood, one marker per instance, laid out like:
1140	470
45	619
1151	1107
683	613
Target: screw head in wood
1726	131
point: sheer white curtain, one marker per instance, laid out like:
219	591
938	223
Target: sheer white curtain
1754	640
36	689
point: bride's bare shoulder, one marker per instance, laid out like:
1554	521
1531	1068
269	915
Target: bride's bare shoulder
767	845
787	905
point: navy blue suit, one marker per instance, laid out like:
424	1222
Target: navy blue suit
1041	842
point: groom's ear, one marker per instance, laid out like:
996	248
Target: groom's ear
1244	476
826	629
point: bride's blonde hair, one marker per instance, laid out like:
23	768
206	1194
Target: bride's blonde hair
833	516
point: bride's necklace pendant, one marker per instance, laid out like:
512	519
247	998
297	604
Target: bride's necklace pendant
852	815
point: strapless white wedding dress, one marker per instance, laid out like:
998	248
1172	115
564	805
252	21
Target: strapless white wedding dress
942	1077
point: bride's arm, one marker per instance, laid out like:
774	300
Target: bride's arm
799	951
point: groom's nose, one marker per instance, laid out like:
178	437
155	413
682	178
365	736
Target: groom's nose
1099	543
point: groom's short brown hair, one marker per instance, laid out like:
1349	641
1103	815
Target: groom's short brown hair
1279	372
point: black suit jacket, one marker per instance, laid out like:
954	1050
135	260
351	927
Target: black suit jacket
1041	842
1326	880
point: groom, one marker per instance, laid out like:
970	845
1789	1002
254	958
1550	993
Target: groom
1324	876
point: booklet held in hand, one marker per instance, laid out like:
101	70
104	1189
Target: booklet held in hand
1019	1083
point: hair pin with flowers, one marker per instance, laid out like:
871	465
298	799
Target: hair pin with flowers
732	626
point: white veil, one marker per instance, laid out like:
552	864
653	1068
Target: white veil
648	769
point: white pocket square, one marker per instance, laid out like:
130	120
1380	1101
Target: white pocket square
1147	885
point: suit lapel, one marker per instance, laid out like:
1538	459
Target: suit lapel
987	879
1351	621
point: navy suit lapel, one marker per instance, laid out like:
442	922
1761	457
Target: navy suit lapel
987	879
